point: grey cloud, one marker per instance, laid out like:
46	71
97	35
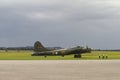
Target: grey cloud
60	23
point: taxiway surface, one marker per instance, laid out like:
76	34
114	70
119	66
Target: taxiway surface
60	70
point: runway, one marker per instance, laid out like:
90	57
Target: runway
60	70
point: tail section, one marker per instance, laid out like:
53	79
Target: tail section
38	47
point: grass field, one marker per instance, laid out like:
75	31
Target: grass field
26	55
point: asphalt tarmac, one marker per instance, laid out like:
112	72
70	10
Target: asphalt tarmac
60	70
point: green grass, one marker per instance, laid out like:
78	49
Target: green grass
96	54
26	55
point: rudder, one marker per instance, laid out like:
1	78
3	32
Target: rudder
38	47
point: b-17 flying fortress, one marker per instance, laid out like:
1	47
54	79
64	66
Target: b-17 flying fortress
40	50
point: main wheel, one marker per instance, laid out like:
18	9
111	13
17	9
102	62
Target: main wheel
77	56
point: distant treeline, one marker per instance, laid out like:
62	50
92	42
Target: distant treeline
25	48
106	50
16	48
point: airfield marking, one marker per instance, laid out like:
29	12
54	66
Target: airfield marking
60	70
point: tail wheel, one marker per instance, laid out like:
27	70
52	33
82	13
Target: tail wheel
77	56
45	56
62	55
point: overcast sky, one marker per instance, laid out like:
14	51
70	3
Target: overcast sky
64	23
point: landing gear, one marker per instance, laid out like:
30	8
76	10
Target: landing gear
77	56
62	55
45	56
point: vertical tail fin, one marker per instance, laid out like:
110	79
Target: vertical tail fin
38	47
